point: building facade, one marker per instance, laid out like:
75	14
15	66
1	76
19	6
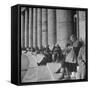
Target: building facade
41	26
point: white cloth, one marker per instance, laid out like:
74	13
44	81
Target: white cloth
32	60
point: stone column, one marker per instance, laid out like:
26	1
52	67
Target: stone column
44	28
22	30
26	28
30	28
51	27
82	25
77	23
34	27
39	28
64	26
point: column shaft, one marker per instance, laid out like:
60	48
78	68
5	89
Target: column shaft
64	26
51	27
44	28
34	27
30	27
82	25
22	30
39	28
77	24
26	29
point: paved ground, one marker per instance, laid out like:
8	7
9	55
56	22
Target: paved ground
42	73
39	73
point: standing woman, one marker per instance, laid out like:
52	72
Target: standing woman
72	51
81	72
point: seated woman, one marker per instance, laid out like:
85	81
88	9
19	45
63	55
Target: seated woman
47	56
56	53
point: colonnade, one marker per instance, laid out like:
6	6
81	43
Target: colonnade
41	27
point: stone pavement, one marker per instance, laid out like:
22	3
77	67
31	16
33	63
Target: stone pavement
37	73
